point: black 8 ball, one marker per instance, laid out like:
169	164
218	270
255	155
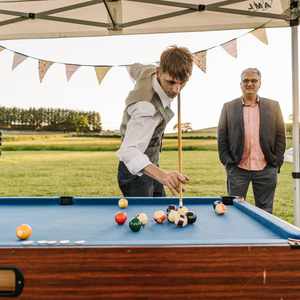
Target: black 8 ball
191	217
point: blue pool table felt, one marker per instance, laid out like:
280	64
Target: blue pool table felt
92	220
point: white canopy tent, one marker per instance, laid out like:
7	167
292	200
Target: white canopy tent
76	18
28	19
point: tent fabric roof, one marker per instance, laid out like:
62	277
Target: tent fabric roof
21	19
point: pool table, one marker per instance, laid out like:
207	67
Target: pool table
77	251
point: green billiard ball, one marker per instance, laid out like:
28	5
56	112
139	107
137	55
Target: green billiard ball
135	224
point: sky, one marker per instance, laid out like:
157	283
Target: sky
202	98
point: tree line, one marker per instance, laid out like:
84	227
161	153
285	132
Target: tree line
50	119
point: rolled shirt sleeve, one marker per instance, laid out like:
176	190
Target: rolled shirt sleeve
140	129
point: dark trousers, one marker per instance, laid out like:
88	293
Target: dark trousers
263	182
138	186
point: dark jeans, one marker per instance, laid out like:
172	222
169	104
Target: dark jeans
138	186
263	183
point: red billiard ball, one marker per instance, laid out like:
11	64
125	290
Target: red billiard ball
120	218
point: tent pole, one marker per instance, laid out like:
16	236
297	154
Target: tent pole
296	154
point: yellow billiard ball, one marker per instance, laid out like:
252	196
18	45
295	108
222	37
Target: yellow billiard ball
123	203
23	231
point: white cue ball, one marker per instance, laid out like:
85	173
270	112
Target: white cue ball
183	210
143	218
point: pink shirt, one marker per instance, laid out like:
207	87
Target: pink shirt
253	158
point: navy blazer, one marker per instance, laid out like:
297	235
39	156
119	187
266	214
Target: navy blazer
271	132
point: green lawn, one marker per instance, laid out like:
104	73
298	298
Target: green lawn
92	173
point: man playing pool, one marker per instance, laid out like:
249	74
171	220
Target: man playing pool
146	115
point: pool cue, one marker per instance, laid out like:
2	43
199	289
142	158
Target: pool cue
179	141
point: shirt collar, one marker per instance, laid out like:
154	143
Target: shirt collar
243	102
165	100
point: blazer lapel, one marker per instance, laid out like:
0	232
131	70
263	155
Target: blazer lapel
263	116
239	115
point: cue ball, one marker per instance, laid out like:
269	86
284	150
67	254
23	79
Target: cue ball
123	203
23	231
183	210
143	218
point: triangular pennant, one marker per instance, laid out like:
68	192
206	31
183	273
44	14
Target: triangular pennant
200	60
134	71
101	72
44	65
70	70
261	34
231	48
18	58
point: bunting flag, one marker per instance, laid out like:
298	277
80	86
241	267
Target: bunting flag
44	65
200	60
70	70
101	72
18	59
231	47
261	35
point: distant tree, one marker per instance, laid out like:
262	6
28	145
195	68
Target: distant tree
55	119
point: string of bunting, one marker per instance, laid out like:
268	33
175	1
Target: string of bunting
200	57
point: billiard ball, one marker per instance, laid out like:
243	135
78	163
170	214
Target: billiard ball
170	208
181	220
191	217
23	231
159	216
120	218
172	215
123	203
143	218
220	209
216	203
183	210
135	224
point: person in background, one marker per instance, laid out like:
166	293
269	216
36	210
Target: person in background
146	115
251	142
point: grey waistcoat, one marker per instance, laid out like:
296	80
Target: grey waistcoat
143	91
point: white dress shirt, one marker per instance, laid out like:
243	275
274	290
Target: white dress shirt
139	131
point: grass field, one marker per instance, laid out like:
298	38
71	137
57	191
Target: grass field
194	141
93	173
